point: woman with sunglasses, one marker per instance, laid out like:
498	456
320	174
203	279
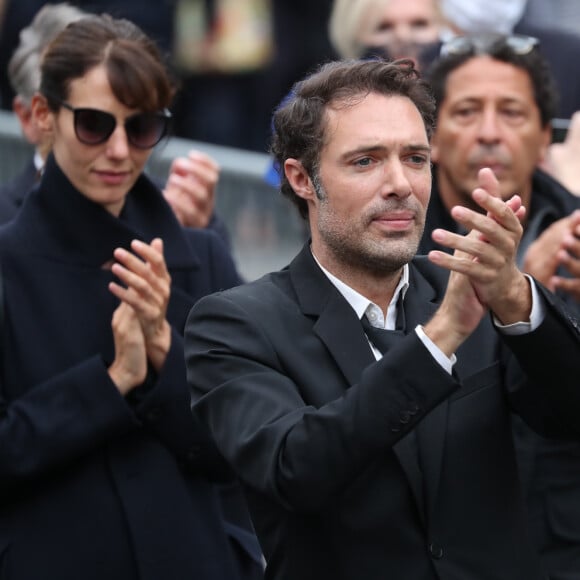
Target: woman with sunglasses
103	473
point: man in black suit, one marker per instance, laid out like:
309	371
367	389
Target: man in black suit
362	394
495	100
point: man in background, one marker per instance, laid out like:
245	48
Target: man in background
495	100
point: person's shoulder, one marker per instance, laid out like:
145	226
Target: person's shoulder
15	190
203	237
214	256
272	291
207	244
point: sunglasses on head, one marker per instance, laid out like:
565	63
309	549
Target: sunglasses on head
484	44
144	130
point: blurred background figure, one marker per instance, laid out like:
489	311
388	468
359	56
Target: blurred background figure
235	58
390	28
477	17
24	76
558	46
495	100
504	17
555	14
219	50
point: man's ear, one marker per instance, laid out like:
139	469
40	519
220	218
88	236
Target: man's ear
299	179
24	113
42	116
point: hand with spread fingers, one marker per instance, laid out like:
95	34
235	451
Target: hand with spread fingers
129	368
486	257
558	246
147	290
190	188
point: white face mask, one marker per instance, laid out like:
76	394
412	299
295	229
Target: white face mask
481	17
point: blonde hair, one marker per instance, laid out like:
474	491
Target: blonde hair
344	27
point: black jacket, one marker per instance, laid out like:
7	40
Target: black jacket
549	468
361	469
94	485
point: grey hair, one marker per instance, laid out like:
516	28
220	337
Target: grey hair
24	65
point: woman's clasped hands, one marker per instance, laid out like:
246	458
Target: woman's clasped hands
141	331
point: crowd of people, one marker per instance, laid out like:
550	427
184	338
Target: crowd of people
400	401
227	93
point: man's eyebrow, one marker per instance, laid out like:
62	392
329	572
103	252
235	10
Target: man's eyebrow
410	148
420	147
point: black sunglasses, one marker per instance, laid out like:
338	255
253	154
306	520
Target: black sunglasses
144	130
484	44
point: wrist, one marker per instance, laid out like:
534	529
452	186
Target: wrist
124	380
516	305
158	346
444	334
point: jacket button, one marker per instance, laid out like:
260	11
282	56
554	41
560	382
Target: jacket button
436	551
404	418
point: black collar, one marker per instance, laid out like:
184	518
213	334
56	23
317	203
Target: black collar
56	220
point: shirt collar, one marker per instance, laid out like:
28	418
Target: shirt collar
362	305
38	162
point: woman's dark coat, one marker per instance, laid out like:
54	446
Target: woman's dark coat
94	485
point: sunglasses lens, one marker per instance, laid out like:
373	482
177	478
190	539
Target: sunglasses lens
92	126
145	130
457	45
521	44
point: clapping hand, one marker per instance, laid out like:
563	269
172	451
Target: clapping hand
483	267
558	245
129	368
190	188
147	287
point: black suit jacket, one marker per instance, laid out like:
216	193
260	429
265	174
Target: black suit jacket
15	190
549	468
362	469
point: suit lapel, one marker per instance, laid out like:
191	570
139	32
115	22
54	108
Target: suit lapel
341	331
336	323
